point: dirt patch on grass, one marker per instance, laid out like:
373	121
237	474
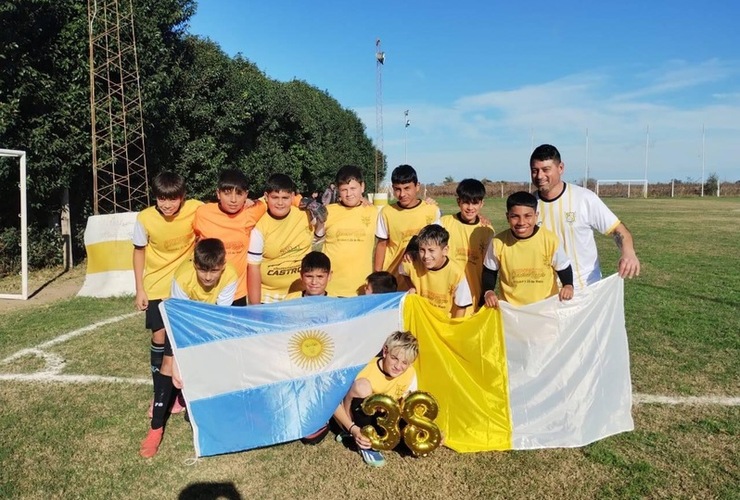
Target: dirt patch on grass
44	286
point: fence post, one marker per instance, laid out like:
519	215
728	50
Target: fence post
673	186
502	189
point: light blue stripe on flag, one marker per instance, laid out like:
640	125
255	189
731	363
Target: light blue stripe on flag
260	375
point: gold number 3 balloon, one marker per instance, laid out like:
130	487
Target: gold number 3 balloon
421	435
388	422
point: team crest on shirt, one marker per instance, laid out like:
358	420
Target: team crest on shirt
570	217
365	220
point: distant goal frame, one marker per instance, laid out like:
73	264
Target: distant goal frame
629	182
21	155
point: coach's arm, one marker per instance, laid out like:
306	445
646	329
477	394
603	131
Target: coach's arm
629	264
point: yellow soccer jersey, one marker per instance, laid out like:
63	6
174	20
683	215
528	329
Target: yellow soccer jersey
527	267
443	287
468	244
279	245
398	225
168	241
382	384
349	244
185	285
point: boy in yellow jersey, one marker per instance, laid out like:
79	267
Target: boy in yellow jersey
434	276
316	274
231	220
469	235
528	258
350	234
399	222
207	278
277	244
391	373
163	238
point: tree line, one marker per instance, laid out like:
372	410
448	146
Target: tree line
202	111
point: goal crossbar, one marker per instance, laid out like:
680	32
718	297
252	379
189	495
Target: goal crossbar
627	182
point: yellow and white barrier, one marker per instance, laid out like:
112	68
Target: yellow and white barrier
110	269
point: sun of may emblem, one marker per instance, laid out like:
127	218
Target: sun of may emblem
311	349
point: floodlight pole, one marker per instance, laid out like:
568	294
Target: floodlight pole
585	180
531	149
647	159
702	160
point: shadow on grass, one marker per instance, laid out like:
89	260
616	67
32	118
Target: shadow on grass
48	282
725	302
210	491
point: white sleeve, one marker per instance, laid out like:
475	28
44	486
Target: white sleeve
599	216
226	297
402	269
560	261
438	220
256	247
463	297
176	292
381	228
490	261
140	237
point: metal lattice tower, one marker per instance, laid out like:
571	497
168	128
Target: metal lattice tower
379	157
118	153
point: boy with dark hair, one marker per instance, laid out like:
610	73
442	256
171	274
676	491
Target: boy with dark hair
391	373
231	220
380	282
350	234
434	276
469	235
163	238
398	222
207	278
277	244
528	258
316	273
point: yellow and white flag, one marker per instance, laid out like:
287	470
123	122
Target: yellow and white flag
550	374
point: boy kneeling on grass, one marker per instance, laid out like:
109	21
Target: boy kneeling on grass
207	278
393	374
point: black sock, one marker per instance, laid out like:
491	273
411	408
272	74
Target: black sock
156	354
162	395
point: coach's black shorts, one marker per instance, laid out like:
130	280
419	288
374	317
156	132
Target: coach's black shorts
154	320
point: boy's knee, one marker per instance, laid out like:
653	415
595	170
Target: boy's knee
361	388
158	336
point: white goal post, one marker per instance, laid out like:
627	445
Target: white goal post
24	225
602	183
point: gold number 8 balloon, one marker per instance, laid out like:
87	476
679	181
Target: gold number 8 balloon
421	435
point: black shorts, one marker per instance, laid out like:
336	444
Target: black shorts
240	302
154	320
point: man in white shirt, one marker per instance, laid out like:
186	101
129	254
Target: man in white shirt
573	212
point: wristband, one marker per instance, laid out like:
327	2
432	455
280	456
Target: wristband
350	427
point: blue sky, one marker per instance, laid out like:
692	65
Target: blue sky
484	80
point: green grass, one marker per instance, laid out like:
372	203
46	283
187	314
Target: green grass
81	441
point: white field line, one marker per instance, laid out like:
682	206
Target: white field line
54	364
685	400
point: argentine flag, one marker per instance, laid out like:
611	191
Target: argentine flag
261	375
545	375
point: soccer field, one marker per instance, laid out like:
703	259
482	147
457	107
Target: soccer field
74	389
